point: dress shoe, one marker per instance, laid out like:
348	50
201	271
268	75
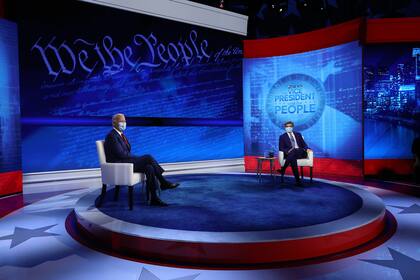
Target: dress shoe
157	202
169	186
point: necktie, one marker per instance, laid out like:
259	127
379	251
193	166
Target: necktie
125	140
292	139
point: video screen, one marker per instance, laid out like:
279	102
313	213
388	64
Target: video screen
10	145
392	100
320	91
152	68
73	147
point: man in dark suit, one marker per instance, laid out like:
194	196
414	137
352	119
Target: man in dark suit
118	149
294	147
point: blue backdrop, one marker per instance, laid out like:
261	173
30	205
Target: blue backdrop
10	145
81	72
392	100
320	91
73	147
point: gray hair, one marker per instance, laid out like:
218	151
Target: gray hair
115	117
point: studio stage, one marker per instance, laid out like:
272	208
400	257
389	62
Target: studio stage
232	219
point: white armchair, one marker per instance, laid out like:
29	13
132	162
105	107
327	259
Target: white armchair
309	161
117	174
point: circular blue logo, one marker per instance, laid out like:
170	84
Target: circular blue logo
298	98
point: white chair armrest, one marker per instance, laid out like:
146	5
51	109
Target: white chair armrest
308	161
311	155
118	174
281	158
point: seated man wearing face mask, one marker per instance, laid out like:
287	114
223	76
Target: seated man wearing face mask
118	149
294	147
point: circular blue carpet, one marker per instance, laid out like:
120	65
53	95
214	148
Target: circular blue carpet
220	202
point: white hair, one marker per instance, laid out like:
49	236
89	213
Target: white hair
115	117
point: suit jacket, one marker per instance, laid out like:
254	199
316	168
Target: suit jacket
285	144
116	150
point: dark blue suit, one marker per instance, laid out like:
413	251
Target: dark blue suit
285	145
117	150
292	154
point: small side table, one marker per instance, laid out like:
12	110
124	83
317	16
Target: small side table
260	161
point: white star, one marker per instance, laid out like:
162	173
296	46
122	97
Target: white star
408	267
21	235
147	275
413	209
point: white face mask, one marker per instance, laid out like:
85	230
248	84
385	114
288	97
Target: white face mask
289	129
122	126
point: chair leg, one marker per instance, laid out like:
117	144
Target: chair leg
130	197
148	195
259	170
116	192
103	193
271	169
301	172
310	173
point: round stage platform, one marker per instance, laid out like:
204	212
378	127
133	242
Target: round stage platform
234	219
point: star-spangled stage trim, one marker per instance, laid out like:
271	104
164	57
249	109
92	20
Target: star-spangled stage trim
21	235
147	275
413	209
408	267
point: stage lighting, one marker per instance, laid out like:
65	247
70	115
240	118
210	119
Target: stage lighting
303	6
279	6
318	5
313	6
